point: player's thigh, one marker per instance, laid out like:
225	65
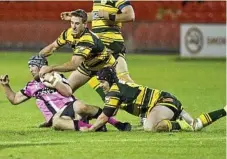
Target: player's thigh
77	79
122	69
121	66
157	114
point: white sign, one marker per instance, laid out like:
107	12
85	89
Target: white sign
203	40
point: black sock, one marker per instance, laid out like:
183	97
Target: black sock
175	125
98	113
215	115
76	125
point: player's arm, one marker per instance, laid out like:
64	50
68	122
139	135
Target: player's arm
49	49
14	97
59	83
127	14
67	16
79	56
70	65
110	109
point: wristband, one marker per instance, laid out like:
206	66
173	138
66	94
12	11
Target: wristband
112	17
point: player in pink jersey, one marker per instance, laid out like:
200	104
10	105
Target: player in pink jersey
55	100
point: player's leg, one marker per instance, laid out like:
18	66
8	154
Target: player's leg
187	117
162	118
158	119
94	84
65	122
77	79
206	119
93	112
122	69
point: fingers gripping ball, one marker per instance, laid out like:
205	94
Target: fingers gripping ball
50	79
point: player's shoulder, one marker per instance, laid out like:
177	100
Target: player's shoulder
122	3
87	36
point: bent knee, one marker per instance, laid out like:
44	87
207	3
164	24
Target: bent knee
80	108
162	126
57	123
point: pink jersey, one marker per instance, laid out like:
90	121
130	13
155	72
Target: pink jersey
48	100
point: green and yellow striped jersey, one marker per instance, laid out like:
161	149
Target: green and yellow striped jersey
133	98
112	7
89	46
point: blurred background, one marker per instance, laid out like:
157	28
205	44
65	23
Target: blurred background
31	25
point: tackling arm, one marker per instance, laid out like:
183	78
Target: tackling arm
69	66
100	121
48	50
67	16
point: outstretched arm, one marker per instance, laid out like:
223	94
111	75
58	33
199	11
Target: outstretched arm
14	98
48	50
67	16
66	67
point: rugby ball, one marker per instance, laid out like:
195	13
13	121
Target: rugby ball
47	83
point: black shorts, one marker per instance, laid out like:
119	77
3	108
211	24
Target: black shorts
170	101
69	111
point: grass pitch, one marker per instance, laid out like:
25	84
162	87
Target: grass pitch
199	84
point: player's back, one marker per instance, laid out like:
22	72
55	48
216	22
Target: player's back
134	98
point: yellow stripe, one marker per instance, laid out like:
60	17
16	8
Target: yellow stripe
168	124
119	3
94	82
122	73
208	117
168	105
203	119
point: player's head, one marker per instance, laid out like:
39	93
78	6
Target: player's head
78	21
35	63
107	76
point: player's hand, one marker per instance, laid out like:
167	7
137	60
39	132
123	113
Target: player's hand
65	15
48	76
103	14
44	70
4	79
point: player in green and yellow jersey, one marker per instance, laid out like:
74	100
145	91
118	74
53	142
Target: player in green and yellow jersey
89	53
107	17
162	109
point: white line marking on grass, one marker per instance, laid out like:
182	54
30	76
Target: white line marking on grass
118	140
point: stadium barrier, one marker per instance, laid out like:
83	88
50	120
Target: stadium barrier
203	40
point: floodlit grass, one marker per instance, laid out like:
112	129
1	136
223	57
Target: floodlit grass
199	84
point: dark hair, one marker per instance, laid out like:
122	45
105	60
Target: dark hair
108	74
38	61
80	13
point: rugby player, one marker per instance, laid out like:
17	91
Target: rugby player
59	107
107	17
90	54
162	109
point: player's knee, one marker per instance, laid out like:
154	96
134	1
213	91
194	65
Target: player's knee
148	126
162	126
56	123
81	108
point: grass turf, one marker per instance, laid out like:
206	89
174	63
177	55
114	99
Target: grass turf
199	84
